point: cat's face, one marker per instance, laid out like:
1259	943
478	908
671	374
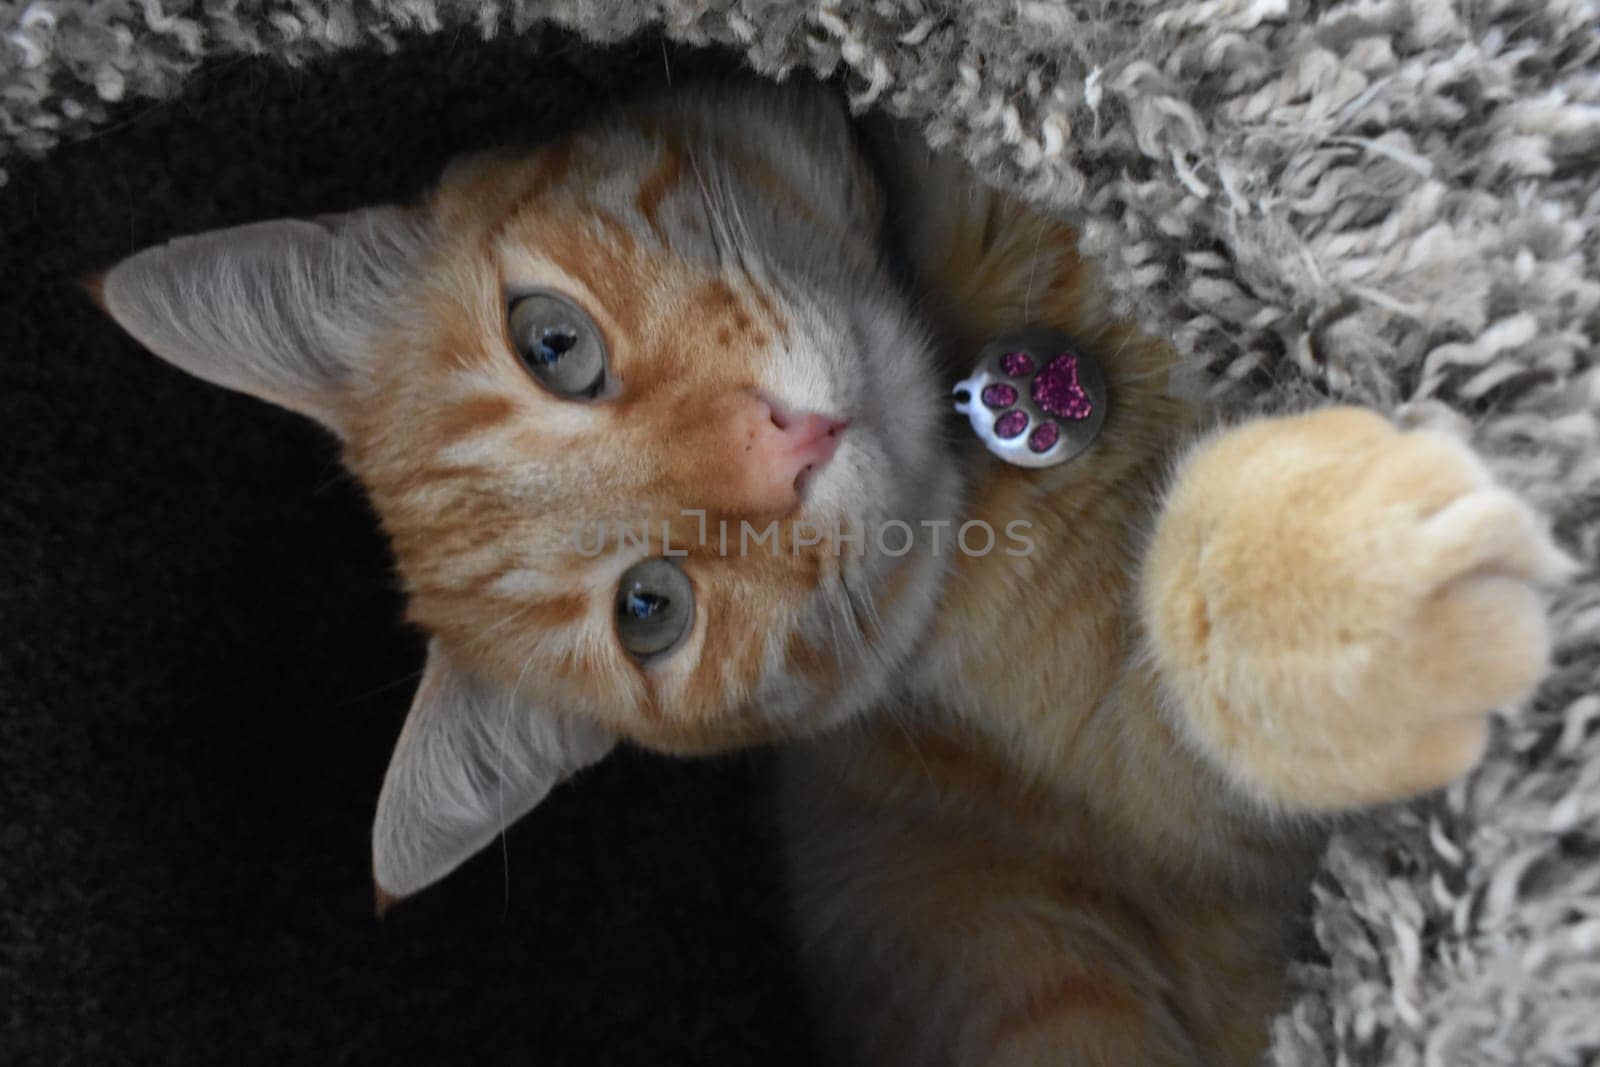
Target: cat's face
645	418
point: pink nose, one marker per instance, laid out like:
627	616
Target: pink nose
782	450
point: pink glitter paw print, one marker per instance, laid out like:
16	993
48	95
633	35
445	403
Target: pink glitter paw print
1039	400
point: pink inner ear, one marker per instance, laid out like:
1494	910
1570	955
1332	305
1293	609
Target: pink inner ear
1057	391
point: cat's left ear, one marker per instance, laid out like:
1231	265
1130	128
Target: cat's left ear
471	760
274	309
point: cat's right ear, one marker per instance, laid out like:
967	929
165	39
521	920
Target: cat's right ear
277	309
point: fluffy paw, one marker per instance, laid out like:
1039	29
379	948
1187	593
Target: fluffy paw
1336	606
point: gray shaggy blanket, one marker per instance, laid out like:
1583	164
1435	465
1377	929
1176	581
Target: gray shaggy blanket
1389	201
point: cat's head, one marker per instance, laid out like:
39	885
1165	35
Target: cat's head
673	333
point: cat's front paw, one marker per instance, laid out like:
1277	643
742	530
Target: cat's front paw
1336	606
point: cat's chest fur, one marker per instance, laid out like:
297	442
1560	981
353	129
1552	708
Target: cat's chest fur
1032	638
1021	709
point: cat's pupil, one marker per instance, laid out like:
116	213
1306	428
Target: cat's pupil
554	342
654	607
644	605
557	343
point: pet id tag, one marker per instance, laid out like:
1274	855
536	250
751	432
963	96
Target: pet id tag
1035	399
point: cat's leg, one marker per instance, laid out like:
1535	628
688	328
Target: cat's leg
1335	606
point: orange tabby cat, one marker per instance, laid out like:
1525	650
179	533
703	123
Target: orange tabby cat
637	410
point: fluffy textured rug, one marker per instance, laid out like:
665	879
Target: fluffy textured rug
1391	201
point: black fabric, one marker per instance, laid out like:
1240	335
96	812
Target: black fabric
202	668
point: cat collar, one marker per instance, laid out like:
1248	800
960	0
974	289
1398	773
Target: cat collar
1035	399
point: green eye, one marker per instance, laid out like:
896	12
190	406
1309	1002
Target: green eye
559	345
655	607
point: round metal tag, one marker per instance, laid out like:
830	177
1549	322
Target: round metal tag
1035	399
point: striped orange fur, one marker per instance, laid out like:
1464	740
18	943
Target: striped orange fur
682	334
